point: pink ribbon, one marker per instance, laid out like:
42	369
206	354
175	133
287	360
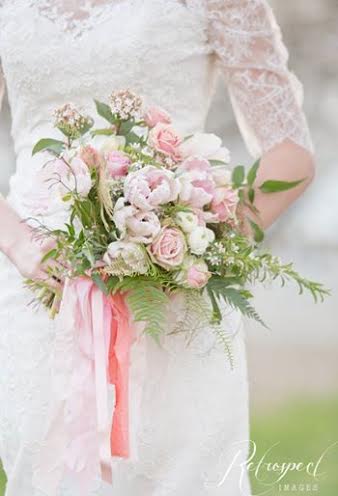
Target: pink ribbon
92	350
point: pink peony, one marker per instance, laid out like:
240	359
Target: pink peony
169	248
197	184
149	187
206	145
156	115
164	139
143	227
117	163
224	203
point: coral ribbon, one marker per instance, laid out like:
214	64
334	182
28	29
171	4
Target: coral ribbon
80	435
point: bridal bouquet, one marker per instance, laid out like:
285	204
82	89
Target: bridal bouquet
152	212
148	212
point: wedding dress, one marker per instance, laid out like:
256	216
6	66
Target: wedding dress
188	408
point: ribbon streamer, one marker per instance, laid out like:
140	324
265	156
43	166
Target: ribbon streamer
92	346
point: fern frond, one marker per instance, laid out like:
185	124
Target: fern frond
235	298
148	303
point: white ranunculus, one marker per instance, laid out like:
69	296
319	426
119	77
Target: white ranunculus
187	221
199	239
206	145
128	257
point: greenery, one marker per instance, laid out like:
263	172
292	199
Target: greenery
300	431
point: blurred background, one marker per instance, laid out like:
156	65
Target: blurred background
293	367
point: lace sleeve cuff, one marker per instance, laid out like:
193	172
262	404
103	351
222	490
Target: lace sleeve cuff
266	96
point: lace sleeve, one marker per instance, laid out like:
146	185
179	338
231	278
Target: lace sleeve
266	96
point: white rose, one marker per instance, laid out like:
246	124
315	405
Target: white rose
187	221
199	239
221	176
126	257
206	145
106	144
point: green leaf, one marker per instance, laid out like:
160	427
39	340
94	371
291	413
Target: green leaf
258	233
104	111
132	138
251	195
51	254
97	279
50	144
126	127
238	175
216	162
274	186
107	131
252	174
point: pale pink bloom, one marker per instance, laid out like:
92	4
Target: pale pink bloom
117	163
224	203
194	273
90	156
169	248
221	175
151	186
206	145
156	115
141	227
165	139
197	184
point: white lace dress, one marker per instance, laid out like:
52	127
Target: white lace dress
189	410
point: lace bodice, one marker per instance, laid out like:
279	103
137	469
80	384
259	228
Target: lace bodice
170	51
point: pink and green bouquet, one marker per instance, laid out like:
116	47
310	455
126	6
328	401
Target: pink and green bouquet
151	212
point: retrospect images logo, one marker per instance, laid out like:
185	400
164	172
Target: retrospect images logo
269	474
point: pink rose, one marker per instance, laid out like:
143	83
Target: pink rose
194	273
197	277
156	115
164	139
224	203
117	163
169	248
90	156
197	184
151	186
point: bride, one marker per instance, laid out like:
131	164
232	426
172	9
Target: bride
189	409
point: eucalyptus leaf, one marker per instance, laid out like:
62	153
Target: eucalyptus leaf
251	195
274	186
49	144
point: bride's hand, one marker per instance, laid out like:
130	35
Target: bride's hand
25	250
